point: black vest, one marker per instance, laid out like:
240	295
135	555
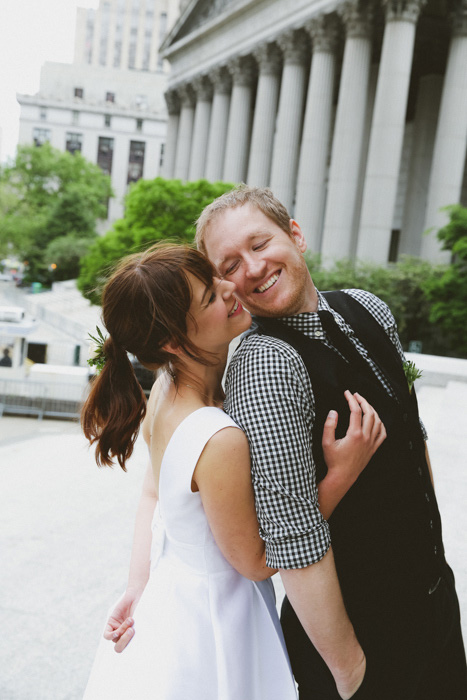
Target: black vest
386	531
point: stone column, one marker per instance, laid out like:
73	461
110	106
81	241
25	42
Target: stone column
222	81
185	132
173	107
348	131
424	129
387	130
243	72
295	48
451	138
203	89
315	146
269	61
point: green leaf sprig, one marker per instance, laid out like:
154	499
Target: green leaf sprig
411	373
99	358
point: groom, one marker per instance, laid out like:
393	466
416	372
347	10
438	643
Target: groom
386	564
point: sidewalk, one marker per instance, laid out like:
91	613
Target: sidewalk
66	532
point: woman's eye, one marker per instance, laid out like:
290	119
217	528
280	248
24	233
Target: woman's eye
212	297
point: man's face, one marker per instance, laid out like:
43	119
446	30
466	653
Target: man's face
265	263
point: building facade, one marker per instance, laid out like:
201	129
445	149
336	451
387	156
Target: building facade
353	112
109	103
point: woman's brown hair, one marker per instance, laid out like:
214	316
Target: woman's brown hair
145	305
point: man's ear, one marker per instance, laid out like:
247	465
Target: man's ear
297	235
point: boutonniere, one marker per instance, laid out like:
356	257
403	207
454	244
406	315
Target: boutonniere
99	358
411	373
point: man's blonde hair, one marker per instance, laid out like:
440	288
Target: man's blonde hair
260	197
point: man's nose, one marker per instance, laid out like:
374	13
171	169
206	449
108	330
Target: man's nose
227	288
254	266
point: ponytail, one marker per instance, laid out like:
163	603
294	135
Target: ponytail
116	405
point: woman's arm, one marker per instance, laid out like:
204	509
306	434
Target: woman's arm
223	478
347	458
119	626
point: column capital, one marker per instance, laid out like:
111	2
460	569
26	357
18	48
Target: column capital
295	46
357	16
203	88
459	19
187	95
405	10
269	58
221	79
243	70
324	32
173	101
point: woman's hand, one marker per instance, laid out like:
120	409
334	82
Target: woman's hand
347	458
119	628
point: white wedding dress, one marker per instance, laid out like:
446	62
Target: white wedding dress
202	631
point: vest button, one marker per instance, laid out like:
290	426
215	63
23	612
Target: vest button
431	524
420	471
427	497
436	549
410	445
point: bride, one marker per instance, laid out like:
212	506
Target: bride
198	617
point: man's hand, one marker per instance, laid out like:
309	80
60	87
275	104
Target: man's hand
365	434
119	628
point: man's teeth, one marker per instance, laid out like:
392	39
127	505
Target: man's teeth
235	307
269	283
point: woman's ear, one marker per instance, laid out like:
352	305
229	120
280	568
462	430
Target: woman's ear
172	348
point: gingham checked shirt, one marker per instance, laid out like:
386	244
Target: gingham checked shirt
269	395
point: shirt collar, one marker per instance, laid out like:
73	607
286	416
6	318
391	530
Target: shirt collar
309	322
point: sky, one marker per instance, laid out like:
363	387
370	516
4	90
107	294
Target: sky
31	32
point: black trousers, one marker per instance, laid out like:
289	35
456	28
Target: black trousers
414	650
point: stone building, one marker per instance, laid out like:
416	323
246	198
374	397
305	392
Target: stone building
109	103
354	113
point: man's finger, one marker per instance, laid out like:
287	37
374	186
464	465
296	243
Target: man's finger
329	430
355	421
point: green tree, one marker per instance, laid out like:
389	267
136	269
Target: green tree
448	293
401	286
46	194
155	210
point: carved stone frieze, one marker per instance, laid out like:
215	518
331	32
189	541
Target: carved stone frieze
406	10
269	58
243	70
324	32
187	95
357	16
295	46
173	101
203	88
221	79
459	19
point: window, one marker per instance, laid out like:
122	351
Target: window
40	136
110	97
107	120
141	101
136	161
74	142
161	156
162	32
43	114
105	151
139	125
394	245
75	117
79	92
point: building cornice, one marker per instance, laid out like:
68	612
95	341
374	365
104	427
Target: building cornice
81	106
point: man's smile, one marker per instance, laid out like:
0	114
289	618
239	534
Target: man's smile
267	285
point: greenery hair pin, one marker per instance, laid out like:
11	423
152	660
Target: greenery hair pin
99	358
411	373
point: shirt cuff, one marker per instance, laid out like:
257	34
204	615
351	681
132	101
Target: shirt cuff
299	551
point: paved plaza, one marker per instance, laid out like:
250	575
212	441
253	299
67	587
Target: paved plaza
66	531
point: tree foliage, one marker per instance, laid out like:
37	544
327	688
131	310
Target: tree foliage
403	287
155	210
448	293
46	194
